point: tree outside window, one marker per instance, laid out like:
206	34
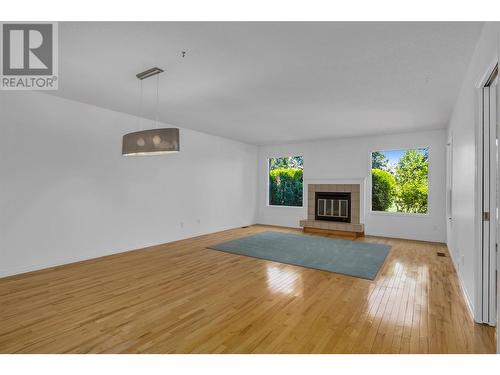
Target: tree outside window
286	181
400	180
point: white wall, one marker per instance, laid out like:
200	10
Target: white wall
462	133
67	194
349	160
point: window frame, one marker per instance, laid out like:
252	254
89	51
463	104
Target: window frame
410	214
268	183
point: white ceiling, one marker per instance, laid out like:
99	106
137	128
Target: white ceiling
265	83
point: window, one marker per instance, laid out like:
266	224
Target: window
400	180
285	181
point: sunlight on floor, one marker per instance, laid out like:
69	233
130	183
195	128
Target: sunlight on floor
285	281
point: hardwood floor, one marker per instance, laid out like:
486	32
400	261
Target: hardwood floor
184	298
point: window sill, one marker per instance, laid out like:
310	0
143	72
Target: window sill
404	214
280	206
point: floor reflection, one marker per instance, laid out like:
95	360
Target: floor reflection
387	302
284	281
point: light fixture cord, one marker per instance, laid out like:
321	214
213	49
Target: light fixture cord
157	98
140	110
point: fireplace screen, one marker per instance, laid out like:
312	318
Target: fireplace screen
333	206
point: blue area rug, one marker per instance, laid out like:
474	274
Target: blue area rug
353	258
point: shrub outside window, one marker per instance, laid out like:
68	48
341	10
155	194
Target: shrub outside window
286	181
400	180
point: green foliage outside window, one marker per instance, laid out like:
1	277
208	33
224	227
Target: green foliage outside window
383	189
286	181
379	161
400	181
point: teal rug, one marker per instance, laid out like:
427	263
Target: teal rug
353	258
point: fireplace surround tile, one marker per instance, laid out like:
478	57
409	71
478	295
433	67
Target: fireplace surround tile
353	226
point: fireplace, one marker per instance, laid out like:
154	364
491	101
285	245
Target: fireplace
333	206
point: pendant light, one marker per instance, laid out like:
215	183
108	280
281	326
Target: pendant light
156	141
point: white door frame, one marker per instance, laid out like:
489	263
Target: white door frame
485	302
496	256
498	212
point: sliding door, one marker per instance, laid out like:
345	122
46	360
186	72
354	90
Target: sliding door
489	202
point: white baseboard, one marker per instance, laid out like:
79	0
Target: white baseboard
468	300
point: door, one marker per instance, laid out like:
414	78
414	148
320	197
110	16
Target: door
489	202
497	261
